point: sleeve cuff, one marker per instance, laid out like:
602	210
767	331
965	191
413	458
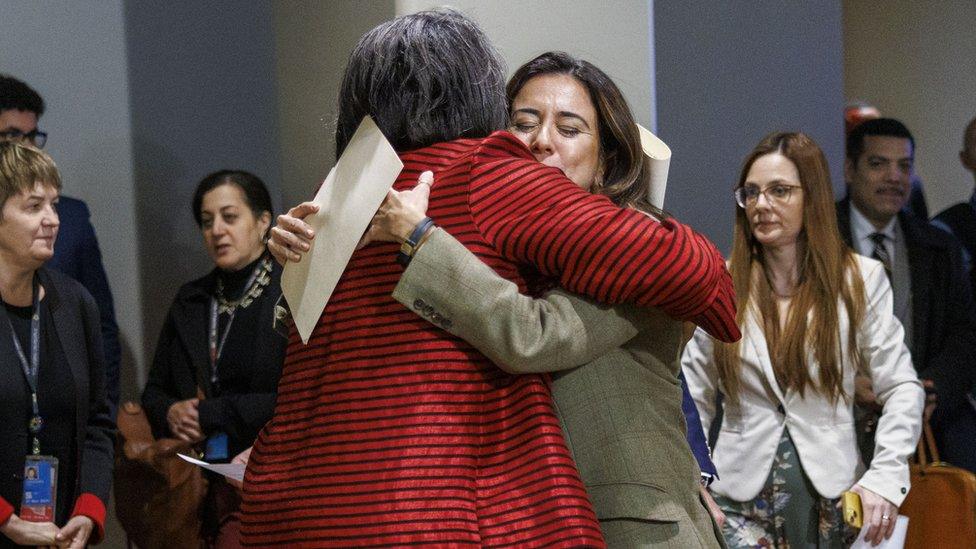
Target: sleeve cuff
6	510
89	505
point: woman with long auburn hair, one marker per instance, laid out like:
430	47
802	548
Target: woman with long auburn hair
812	314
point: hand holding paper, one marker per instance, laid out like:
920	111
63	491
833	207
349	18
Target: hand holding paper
352	192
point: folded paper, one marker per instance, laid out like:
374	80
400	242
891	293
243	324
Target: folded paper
347	200
657	160
233	471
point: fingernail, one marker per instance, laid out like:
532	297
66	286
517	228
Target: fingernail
310	233
426	178
305	246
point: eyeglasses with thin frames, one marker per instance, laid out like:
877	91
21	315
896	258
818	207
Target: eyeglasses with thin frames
35	137
778	194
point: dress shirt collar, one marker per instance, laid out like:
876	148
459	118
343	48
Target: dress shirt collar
862	229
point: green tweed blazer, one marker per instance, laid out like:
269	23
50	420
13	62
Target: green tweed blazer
614	384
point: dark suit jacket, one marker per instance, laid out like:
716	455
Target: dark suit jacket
961	219
943	314
76	320
76	254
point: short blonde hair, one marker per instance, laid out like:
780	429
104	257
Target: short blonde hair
22	167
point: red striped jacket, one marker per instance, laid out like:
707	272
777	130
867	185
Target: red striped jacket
388	431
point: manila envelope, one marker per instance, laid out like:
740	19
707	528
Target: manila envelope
347	200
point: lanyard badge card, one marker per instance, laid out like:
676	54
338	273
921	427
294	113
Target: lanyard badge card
40	489
40	472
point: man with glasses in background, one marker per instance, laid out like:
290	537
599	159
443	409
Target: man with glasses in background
932	296
76	251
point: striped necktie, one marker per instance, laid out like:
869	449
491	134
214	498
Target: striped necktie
881	252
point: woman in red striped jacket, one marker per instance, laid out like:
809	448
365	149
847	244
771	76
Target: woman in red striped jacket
389	431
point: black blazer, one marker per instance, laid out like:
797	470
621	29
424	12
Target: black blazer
181	364
78	326
77	255
943	314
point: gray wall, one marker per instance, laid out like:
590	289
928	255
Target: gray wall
203	98
313	41
729	73
522	30
918	63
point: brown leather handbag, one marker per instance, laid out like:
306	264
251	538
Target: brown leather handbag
941	506
157	494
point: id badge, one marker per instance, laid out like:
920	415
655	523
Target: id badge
40	489
216	448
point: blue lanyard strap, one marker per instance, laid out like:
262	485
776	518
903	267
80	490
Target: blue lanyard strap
217	349
31	367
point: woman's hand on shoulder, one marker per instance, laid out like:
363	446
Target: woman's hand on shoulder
183	418
291	237
23	532
879	515
76	532
399	213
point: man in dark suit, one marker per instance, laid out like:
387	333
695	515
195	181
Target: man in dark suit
960	219
932	297
76	252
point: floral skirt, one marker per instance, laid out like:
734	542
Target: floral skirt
788	513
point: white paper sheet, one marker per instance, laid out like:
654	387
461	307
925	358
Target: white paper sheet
657	159
347	200
896	541
230	470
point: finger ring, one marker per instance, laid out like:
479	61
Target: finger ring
885	518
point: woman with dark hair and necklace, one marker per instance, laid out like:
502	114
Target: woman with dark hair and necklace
218	359
56	458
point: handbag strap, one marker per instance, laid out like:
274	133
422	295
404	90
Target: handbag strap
928	453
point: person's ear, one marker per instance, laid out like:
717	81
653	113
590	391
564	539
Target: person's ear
849	170
264	223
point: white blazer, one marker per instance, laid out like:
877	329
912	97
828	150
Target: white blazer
822	432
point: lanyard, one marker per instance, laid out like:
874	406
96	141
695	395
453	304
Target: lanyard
30	368
216	349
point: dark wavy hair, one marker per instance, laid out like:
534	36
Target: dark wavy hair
16	95
255	192
625	179
425	78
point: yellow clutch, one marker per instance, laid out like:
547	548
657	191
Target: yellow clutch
852	509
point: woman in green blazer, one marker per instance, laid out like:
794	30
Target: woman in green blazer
615	370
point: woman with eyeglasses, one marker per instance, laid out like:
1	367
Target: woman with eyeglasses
812	315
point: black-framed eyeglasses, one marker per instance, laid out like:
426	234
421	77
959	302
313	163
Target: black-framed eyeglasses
35	137
778	194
